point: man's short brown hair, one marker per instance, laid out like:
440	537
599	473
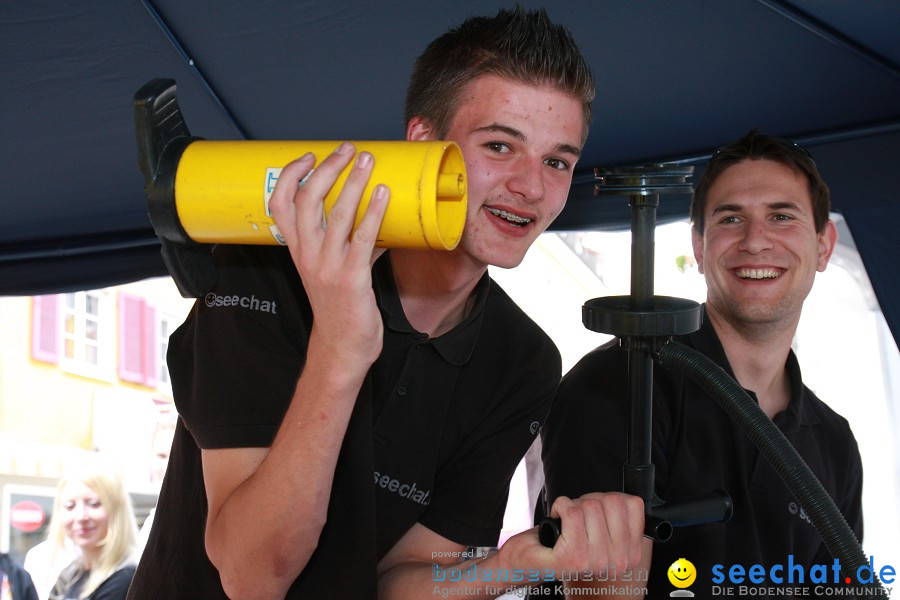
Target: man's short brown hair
523	46
755	146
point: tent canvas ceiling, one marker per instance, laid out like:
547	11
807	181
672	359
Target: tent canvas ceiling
675	80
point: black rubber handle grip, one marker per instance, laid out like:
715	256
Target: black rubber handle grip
550	528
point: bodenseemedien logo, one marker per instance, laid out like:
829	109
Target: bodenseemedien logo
682	574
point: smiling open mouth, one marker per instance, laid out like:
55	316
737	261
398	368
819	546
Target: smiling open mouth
510	217
758	273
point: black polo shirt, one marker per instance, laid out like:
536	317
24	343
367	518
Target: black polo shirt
435	436
698	448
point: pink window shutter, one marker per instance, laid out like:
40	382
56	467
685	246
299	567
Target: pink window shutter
130	363
45	334
148	346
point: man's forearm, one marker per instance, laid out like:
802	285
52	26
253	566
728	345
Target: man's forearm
292	480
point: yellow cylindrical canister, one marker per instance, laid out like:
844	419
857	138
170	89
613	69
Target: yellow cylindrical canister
222	190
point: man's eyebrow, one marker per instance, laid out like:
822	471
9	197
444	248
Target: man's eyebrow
510	131
785	206
727	208
569	149
782	205
518	135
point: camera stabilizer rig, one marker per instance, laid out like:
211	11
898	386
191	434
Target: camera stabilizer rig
644	322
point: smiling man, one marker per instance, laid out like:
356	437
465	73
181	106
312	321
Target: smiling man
761	231
357	442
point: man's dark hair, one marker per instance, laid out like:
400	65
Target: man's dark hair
523	46
755	146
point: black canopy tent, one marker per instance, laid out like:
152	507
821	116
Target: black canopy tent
675	80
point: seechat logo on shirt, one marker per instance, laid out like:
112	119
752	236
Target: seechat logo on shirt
410	491
213	300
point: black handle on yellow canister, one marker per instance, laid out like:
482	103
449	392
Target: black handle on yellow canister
162	137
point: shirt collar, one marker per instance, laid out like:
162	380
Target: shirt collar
799	411
457	345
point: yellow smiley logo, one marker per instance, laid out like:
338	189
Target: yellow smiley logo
682	573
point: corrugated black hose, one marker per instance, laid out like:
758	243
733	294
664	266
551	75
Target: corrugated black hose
839	539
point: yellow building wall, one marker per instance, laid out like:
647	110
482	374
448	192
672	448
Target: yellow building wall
39	401
49	416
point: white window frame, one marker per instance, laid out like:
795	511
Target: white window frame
105	342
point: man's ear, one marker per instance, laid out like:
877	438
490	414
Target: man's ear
419	129
697	242
827	241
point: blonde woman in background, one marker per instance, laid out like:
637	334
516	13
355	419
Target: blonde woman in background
95	512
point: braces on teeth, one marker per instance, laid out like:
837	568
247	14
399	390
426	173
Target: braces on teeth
509	216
